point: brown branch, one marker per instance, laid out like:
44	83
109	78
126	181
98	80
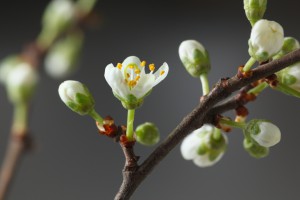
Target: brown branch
197	117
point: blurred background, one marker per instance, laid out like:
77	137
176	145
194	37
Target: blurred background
71	161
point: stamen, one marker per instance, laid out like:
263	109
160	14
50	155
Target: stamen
137	71
119	65
151	67
128	75
143	64
137	78
132	83
162	72
131	66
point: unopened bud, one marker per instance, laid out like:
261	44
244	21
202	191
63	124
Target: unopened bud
147	134
266	40
263	132
194	57
7	65
63	56
255	10
21	82
76	96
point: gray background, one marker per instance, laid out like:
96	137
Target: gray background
72	162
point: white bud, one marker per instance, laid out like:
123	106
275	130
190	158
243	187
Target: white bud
6	66
290	76
266	40
263	132
62	59
201	146
21	82
194	57
76	96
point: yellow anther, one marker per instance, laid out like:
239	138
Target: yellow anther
143	64
132	83
137	71
137	78
162	72
119	65
128	75
152	67
131	66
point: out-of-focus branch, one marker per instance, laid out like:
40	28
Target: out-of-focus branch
19	141
198	117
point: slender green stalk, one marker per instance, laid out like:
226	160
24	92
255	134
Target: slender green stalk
205	83
130	119
231	123
258	89
96	117
286	89
249	64
20	118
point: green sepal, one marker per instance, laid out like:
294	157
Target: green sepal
261	57
131	102
199	65
254	11
254	149
147	134
202	150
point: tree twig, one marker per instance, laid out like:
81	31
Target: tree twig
196	119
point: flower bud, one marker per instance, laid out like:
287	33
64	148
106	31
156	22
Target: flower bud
290	76
57	17
7	65
262	132
76	96
21	82
266	40
255	150
194	57
290	44
147	134
63	56
205	146
255	10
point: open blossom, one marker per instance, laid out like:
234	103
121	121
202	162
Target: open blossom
130	82
266	40
201	146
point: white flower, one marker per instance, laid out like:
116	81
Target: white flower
76	96
194	57
20	82
266	40
203	138
129	81
268	135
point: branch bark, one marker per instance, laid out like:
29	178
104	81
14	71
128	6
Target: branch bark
197	118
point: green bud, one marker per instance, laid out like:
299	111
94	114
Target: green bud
255	10
77	97
289	79
63	56
254	149
21	82
289	44
194	57
147	134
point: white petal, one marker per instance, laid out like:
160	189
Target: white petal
68	89
269	134
294	70
144	85
131	60
190	145
187	48
203	161
159	78
116	81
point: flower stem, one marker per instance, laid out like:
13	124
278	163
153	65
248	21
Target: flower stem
130	119
231	123
258	89
205	83
288	90
20	118
249	64
96	117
